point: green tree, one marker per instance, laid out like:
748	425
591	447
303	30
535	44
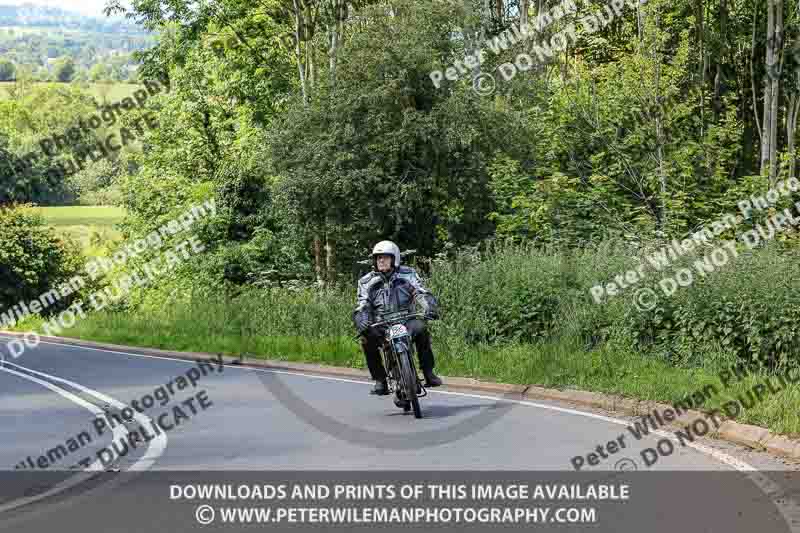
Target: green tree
99	72
389	155
7	70
64	70
28	123
41	74
33	259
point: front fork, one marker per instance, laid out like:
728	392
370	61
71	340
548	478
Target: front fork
398	346
392	348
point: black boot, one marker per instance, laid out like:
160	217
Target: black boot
431	379
381	388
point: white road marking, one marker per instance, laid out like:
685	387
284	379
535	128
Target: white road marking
155	447
96	466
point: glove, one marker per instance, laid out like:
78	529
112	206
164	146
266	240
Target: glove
431	308
362	323
431	315
373	332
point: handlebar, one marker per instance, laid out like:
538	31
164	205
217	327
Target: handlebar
397	319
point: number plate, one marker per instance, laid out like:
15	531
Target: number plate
398	330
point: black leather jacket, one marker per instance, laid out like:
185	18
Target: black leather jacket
397	290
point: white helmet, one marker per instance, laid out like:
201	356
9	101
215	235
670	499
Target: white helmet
387	248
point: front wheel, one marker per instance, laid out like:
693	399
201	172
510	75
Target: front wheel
409	378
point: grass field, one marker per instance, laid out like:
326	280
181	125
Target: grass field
108	92
90	226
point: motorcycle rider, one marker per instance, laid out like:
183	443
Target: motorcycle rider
389	288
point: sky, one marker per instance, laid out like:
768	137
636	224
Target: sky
92	8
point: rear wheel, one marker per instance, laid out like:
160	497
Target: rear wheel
408	375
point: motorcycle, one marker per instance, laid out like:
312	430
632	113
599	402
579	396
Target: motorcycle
398	353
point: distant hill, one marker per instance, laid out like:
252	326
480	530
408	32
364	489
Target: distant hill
34	37
29	15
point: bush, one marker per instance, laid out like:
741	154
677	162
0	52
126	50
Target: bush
525	294
748	307
33	259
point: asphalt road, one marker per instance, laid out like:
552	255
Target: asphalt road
243	419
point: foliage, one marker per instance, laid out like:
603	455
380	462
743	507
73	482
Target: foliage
7	70
32	259
64	70
388	156
96	184
33	116
747	308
